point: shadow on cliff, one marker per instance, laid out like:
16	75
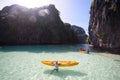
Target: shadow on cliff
40	49
65	73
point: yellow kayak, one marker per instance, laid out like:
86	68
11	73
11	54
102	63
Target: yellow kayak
62	63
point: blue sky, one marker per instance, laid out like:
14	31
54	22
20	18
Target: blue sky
75	12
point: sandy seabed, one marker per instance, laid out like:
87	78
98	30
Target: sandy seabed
25	65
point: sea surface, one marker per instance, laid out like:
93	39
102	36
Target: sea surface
24	63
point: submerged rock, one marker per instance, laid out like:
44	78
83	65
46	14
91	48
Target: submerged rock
23	26
104	24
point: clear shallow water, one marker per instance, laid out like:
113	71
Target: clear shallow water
23	63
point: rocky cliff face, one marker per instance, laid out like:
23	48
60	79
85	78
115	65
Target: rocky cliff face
23	26
76	32
104	25
80	33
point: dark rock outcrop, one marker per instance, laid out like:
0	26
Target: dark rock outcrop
76	32
23	26
104	25
80	33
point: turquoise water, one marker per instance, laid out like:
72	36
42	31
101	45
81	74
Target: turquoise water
23	63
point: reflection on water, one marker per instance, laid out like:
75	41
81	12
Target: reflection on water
45	48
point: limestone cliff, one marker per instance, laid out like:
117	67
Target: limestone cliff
76	32
23	26
104	24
